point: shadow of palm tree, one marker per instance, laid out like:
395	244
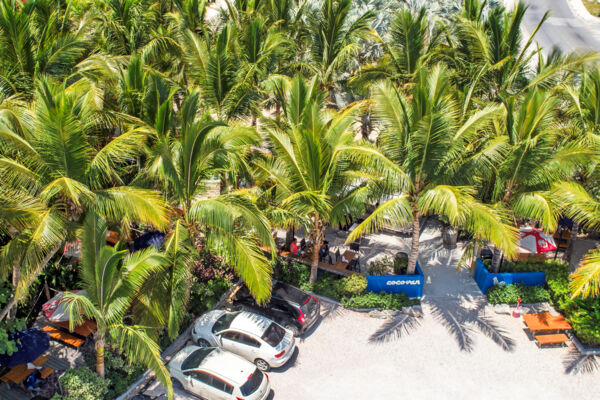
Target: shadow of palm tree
330	310
577	363
395	328
462	322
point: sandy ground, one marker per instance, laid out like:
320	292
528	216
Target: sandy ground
459	349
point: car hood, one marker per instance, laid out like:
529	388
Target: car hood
206	321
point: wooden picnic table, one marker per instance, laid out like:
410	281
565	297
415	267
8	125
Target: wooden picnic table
84	330
18	374
545	321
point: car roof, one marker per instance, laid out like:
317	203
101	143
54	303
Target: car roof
227	365
251	323
216	361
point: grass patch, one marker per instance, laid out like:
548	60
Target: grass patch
592	6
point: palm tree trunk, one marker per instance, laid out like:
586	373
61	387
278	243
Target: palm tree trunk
496	259
277	108
569	251
317	239
365	125
16	277
414	243
100	355
474	260
314	267
331	98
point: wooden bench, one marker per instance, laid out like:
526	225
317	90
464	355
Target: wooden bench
63	337
18	374
557	338
84	330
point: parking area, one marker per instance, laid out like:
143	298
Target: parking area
460	348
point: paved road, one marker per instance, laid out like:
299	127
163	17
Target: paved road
562	29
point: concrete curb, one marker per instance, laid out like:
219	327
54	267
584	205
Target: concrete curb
585	351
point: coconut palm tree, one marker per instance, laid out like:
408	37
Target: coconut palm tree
35	39
112	278
334	40
533	178
55	155
182	161
317	170
215	69
413	42
429	143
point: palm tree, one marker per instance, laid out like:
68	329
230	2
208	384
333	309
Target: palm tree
489	48
317	170
35	40
213	67
54	155
429	144
413	42
334	40
112	278
230	225
584	124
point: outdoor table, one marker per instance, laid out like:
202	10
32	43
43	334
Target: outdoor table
349	255
545	322
18	374
84	330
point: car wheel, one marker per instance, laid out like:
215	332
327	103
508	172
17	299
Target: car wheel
176	384
262	364
203	343
292	328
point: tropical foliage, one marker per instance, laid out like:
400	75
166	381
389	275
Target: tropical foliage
217	123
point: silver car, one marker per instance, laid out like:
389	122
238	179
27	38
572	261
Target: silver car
254	337
215	374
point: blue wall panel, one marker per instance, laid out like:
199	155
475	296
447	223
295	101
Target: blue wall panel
485	279
411	285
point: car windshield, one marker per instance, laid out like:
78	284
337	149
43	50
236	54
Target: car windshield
194	359
273	334
224	321
253	383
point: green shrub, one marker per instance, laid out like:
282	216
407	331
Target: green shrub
400	265
350	286
584	317
120	373
380	267
82	384
204	295
388	266
389	301
325	286
509	294
293	273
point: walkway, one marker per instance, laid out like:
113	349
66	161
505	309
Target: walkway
563	29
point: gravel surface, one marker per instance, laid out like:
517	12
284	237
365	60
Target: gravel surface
459	349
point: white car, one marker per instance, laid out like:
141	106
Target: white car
216	374
254	337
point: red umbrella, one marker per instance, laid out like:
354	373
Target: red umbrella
55	309
535	241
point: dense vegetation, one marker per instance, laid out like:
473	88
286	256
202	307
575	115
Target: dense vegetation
217	125
350	291
582	314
